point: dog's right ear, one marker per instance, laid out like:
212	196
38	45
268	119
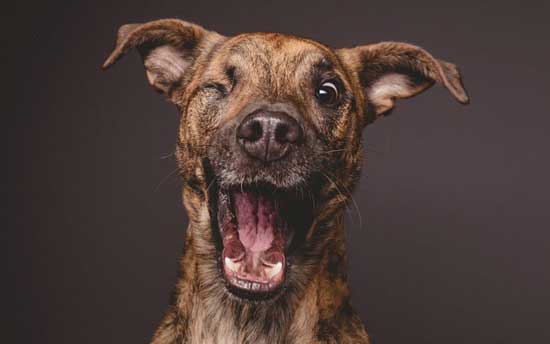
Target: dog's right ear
168	47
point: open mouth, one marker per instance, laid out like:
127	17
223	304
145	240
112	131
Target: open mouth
259	228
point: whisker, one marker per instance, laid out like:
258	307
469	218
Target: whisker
356	209
166	156
210	184
165	179
333	151
340	192
356	206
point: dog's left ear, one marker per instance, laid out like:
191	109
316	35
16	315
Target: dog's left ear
168	47
390	70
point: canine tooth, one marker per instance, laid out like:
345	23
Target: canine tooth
278	267
229	263
275	270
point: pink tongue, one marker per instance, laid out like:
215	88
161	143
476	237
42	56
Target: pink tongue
256	217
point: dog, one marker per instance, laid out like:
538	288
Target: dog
269	149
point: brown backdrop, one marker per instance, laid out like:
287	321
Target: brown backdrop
450	239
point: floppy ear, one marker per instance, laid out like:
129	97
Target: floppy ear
390	70
168	47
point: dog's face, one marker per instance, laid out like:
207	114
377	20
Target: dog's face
269	141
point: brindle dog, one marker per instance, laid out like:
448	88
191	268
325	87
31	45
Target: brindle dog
269	149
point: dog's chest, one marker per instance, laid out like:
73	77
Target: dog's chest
221	326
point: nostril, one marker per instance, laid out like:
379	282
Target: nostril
281	133
251	130
288	132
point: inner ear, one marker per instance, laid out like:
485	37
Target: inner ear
169	48
389	71
165	66
392	85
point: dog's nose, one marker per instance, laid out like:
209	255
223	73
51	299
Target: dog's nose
267	135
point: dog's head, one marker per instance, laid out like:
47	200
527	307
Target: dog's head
269	142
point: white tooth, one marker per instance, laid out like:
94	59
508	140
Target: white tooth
229	263
275	270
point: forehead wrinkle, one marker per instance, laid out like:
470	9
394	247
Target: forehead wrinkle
234	108
274	64
252	59
291	66
240	51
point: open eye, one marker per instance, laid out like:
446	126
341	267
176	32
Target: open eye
327	93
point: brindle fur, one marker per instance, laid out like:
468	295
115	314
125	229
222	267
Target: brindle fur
189	65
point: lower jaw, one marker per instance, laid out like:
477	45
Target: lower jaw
250	286
266	278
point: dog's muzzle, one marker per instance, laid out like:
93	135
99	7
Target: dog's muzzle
262	163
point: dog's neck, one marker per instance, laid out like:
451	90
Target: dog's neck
313	308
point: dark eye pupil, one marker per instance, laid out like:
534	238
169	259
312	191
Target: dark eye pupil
327	93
